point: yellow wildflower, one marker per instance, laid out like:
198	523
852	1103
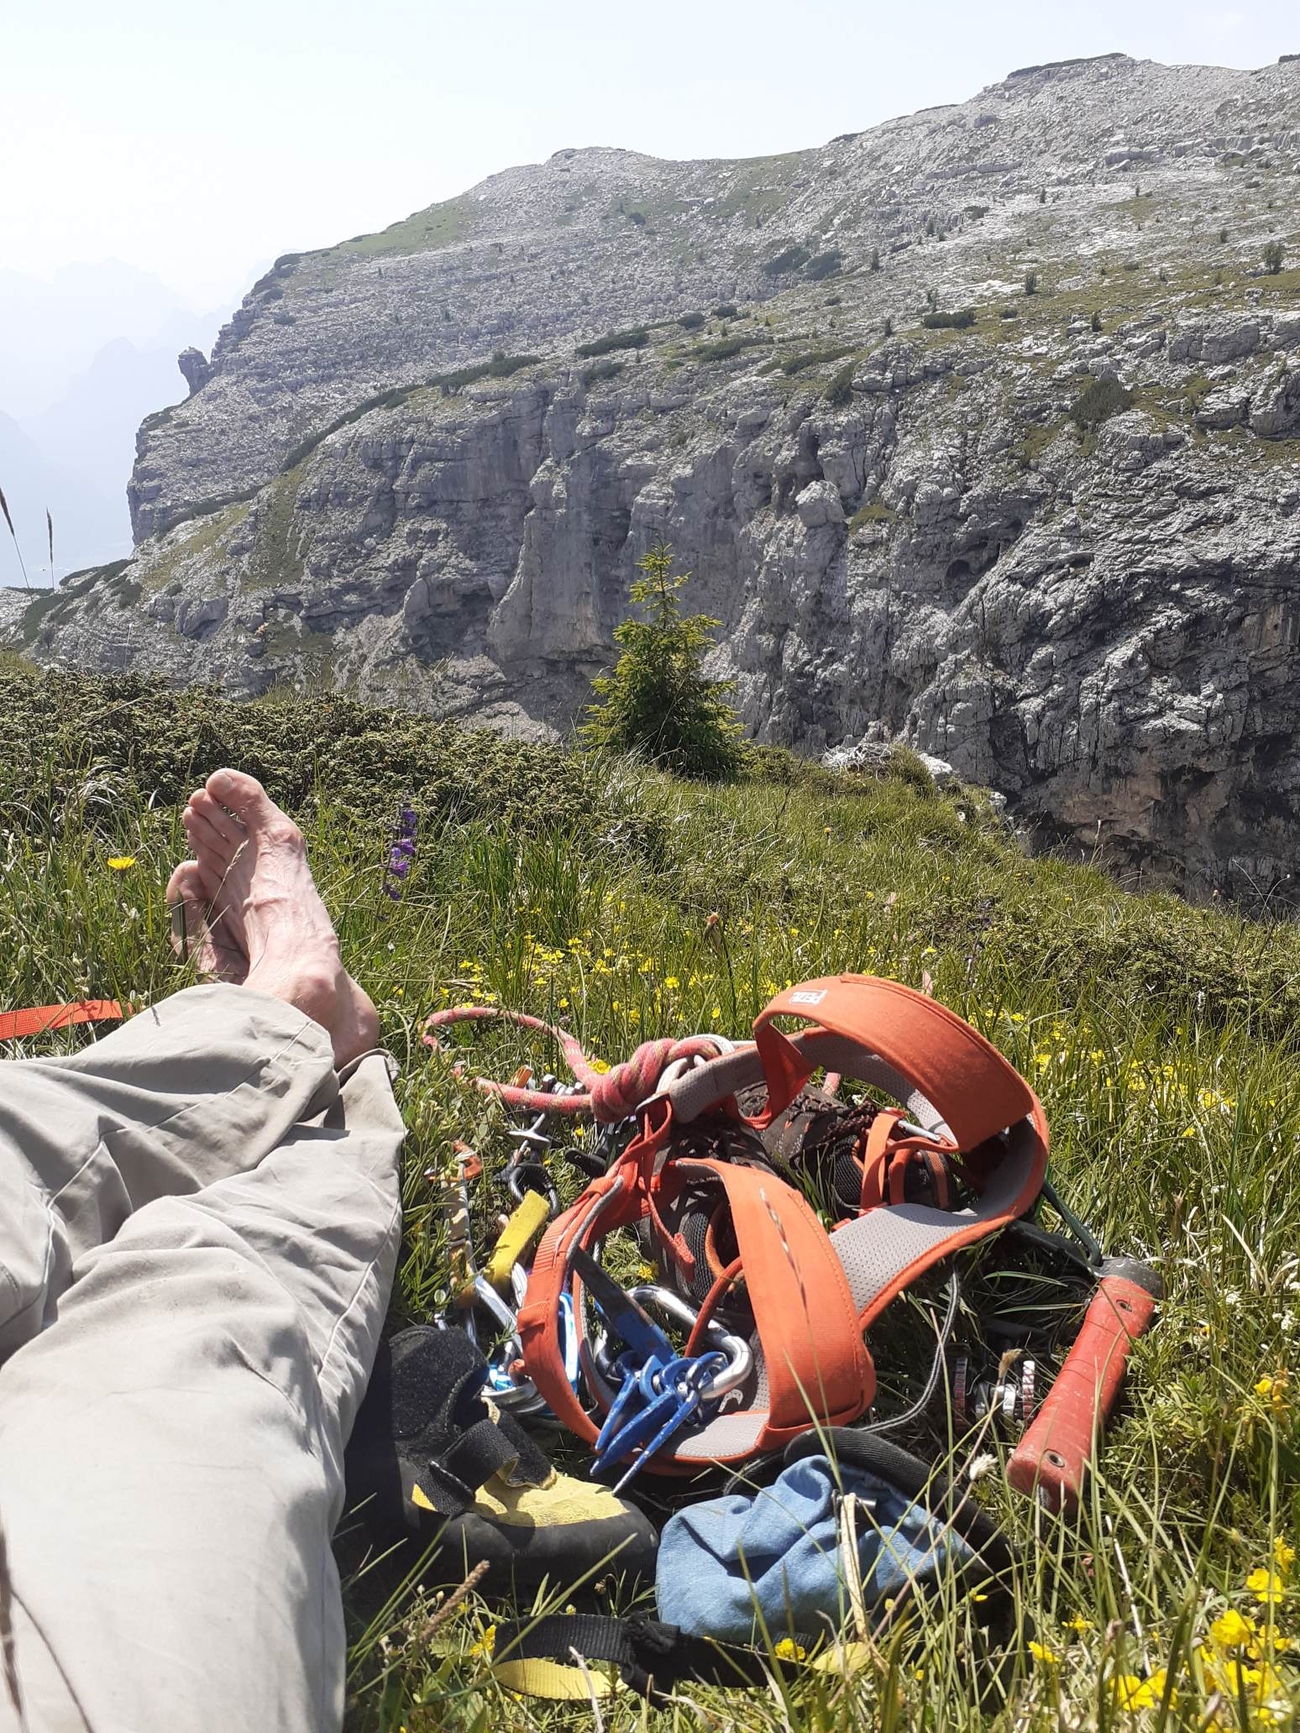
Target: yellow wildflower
1232	1630
601	1065
1078	1624
671	981
1134	1693
1265	1585
486	1643
1127	1688
1041	1652
788	1650
121	862
1283	1555
1274	1391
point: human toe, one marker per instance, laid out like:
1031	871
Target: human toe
221	821
187	898
207	842
186	884
244	796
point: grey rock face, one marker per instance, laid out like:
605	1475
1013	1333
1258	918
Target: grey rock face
195	368
1058	550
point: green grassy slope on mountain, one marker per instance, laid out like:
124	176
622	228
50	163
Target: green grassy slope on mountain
1161	1038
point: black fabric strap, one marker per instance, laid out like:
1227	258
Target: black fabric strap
479	1453
532	1466
651	1657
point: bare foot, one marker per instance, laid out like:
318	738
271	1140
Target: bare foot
200	933
252	866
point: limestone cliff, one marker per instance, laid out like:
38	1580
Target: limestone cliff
980	429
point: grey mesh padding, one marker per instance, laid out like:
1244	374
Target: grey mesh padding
723	1436
698	1090
877	1247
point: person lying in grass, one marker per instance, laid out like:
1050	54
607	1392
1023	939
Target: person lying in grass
199	1226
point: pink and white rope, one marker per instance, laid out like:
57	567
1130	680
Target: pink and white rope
607	1095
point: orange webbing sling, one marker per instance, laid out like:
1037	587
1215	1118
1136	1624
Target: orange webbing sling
811	1364
16	1025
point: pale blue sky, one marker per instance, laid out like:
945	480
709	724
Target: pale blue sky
197	141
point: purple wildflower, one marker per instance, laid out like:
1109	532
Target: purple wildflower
401	852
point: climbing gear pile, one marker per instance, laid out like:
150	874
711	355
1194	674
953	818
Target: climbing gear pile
796	1205
787	1235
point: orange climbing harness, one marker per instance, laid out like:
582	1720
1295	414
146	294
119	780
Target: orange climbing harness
811	1294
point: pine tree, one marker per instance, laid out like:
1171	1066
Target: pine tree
658	701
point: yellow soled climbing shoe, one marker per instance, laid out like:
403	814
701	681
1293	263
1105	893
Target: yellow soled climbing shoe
432	1458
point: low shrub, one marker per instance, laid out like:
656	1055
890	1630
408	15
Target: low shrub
790	259
601	371
1099	401
637	338
726	347
839	388
823	265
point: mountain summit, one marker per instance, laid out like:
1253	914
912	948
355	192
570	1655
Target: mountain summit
979	429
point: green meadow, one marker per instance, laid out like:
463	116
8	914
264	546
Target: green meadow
594	892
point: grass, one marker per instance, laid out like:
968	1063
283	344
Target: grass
875	513
437	226
1162	1039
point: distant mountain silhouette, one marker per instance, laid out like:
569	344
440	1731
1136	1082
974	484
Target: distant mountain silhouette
84	357
89	525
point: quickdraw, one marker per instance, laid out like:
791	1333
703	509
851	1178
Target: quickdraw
727	1145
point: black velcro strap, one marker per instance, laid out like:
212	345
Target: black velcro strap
532	1466
651	1657
479	1454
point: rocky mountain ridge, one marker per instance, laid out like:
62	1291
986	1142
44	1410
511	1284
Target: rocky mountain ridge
980	429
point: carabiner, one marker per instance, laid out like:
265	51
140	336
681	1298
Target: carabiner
515	1172
739	1355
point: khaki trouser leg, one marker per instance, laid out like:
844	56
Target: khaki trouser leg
171	1446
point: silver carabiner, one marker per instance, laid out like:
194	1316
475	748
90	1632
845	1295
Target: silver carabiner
740	1356
519	1395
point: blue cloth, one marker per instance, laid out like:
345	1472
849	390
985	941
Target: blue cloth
734	1567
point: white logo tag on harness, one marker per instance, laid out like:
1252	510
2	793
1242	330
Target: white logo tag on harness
807	998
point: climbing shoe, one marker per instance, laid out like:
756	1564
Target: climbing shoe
432	1459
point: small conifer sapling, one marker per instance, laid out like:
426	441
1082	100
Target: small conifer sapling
658	701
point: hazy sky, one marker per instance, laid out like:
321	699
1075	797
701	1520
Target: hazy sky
198	140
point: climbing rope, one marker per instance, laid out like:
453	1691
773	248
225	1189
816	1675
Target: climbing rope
608	1096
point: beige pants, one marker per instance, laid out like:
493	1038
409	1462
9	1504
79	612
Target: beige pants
199	1224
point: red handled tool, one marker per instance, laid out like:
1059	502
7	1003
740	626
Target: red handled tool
1052	1458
